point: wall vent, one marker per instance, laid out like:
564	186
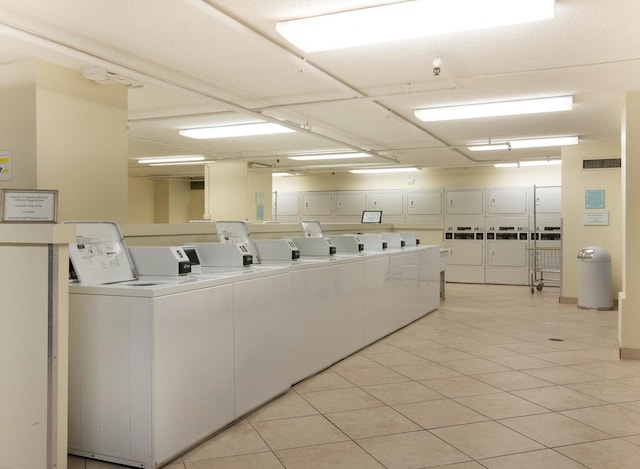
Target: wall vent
197	185
602	163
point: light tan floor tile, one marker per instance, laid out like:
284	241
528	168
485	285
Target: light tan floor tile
610	391
402	393
366	423
609	370
459	386
558	398
355	362
339	400
546	458
474	366
635	439
486	440
630	381
566	358
245	461
485	351
286	406
501	405
322	382
562	375
344	455
530	347
442	413
93	464
240	438
463	465
554	430
443	354
379	347
370	376
512	380
521	362
299	431
607	454
411	450
397	358
425	371
615	420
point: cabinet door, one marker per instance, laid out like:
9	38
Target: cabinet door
316	204
424	203
390	202
464	202
548	199
350	203
511	201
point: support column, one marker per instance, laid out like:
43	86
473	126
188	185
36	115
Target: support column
226	186
629	298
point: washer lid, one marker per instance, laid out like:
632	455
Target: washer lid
100	255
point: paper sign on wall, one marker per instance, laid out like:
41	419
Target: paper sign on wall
5	165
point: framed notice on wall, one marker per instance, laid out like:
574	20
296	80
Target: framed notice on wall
28	206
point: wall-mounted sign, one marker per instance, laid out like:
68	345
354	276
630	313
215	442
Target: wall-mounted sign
29	206
595	217
5	165
594	198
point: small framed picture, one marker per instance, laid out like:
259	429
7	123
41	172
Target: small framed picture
594	198
29	206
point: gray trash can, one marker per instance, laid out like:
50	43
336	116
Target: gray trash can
594	279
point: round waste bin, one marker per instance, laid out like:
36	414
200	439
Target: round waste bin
594	279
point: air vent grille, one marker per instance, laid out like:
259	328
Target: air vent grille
197	185
602	163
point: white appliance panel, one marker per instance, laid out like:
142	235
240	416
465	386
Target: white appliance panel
262	345
469	253
390	202
548	199
424	202
317	204
287	204
464	201
507	201
507	254
378	313
348	309
310	294
350	203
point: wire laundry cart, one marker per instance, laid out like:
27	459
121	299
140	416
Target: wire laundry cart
544	260
545	250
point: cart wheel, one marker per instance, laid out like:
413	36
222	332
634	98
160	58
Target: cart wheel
532	290
540	286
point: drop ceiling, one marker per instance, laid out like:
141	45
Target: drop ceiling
212	62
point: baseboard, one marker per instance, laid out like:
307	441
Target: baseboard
568	300
629	353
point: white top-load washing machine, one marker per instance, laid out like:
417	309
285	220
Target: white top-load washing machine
151	367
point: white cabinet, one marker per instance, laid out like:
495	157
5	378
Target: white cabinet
317	204
425	203
548	199
464	201
507	201
390	202
350	204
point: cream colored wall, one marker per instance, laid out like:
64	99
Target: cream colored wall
18	123
141	200
82	143
226	191
576	235
196	204
435	178
260	182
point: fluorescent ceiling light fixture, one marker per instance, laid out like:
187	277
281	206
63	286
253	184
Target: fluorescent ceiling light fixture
383	170
329	156
183	163
503	108
281	174
237	130
170	159
407	20
525	143
528	163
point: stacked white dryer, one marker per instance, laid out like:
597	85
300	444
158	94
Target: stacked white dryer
464	235
546	223
507	232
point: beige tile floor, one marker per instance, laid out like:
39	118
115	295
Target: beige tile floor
475	384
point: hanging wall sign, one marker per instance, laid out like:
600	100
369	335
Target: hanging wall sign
29	206
5	165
